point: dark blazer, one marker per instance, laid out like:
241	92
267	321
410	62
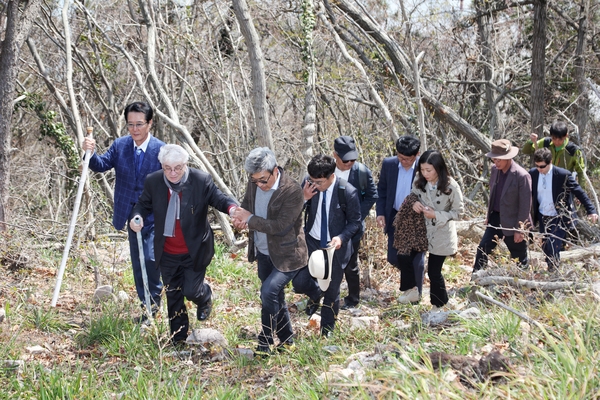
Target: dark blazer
283	225
128	187
367	199
198	193
515	200
564	186
386	190
340	223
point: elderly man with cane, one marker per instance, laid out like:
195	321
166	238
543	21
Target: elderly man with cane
179	197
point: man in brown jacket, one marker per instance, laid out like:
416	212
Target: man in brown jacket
509	206
273	216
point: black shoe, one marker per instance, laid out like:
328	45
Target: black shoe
348	305
263	350
204	312
312	307
143	319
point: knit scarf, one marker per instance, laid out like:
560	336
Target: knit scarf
174	205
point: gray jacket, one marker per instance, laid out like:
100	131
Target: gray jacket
441	231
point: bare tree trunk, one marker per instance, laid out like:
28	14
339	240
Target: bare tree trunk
583	102
259	86
17	29
483	29
538	66
309	126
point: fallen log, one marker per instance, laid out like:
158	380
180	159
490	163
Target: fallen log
512	281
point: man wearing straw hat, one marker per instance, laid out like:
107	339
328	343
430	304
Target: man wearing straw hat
509	206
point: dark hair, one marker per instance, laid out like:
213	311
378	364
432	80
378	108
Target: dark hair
434	158
408	145
321	166
558	129
140	107
542	155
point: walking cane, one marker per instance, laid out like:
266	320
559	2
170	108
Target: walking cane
63	263
138	220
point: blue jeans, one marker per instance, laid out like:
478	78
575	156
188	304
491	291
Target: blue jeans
154	284
274	313
554	233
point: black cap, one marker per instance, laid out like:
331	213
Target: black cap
345	148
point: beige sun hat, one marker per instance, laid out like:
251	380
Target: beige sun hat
320	266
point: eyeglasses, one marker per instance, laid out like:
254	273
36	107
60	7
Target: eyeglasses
348	161
177	168
318	183
136	126
262	181
495	160
541	166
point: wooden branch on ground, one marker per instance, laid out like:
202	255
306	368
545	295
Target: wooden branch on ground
512	281
524	317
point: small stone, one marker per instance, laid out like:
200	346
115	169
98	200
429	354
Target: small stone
364	322
123	296
37	349
102	293
332	349
435	318
470	313
207	337
243	352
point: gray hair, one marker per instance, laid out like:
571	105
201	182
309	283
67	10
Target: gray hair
173	154
260	159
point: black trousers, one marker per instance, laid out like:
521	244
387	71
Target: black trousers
181	280
412	269
488	244
438	293
352	274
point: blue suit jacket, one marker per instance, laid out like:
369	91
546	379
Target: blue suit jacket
128	188
386	190
564	186
340	223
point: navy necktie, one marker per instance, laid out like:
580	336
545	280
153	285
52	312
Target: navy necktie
139	158
324	221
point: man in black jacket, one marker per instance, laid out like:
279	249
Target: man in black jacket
179	197
552	191
359	176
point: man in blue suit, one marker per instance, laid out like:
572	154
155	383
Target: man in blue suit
395	183
359	176
552	191
322	191
133	157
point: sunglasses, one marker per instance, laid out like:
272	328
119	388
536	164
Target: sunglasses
541	166
348	161
262	181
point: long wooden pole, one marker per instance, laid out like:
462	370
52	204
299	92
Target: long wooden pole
63	263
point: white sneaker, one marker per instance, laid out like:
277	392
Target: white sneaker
410	296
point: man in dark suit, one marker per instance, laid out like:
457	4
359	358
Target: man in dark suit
552	191
179	197
395	183
133	157
272	212
322	192
359	176
508	214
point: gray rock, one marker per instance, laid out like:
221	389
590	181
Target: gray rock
332	349
123	296
596	288
103	293
207	337
435	317
242	352
364	322
470	313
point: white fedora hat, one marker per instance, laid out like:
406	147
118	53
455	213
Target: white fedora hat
320	266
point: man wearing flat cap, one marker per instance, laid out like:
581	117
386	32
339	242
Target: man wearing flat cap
509	206
359	176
